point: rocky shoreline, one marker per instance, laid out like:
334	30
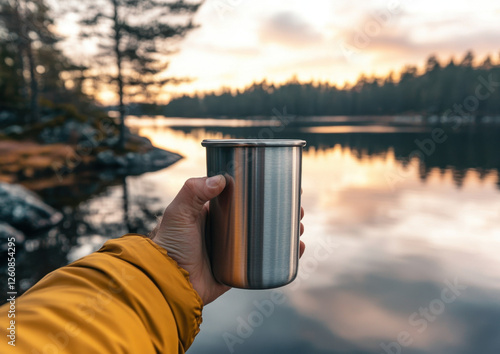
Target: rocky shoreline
58	153
63	146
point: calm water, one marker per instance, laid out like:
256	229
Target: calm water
402	246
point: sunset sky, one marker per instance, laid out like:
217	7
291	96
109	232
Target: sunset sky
241	41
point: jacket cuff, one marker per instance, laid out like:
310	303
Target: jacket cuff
170	279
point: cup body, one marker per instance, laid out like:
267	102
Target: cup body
254	224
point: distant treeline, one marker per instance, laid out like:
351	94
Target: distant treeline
458	87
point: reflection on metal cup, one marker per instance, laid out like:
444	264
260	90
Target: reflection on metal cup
254	224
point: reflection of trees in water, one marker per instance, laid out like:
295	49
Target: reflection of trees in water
103	205
138	212
474	148
112	212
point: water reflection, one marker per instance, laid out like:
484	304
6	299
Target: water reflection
397	245
345	129
94	210
385	236
463	149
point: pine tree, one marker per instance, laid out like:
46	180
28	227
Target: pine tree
26	27
133	37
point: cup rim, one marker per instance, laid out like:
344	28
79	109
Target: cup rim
252	142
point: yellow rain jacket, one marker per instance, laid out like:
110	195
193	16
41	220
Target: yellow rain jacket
128	297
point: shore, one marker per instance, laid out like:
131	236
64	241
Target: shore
31	168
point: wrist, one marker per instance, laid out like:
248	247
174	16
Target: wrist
192	280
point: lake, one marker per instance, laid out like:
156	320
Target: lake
402	227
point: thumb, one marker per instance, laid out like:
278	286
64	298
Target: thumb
196	192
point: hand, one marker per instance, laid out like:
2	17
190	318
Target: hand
182	229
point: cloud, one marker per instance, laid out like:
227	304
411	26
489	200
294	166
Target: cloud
287	28
403	44
409	37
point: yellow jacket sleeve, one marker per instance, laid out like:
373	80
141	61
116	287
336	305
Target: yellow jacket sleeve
128	297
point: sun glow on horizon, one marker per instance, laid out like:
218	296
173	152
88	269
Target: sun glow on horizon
321	41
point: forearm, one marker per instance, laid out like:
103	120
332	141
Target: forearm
127	297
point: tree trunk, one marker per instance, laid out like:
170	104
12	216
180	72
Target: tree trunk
21	45
119	76
33	83
20	60
26	45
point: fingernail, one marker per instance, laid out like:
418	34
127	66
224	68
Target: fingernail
214	181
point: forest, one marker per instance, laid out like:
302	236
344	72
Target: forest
436	88
39	81
36	76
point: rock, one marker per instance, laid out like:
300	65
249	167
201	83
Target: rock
110	142
24	210
130	156
70	132
106	158
159	157
13	130
139	140
133	163
151	160
121	162
8	118
7	232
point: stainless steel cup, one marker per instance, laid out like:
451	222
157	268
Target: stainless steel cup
254	224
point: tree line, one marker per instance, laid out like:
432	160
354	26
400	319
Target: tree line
436	89
134	36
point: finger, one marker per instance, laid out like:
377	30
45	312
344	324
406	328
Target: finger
301	213
302	248
301	229
196	192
